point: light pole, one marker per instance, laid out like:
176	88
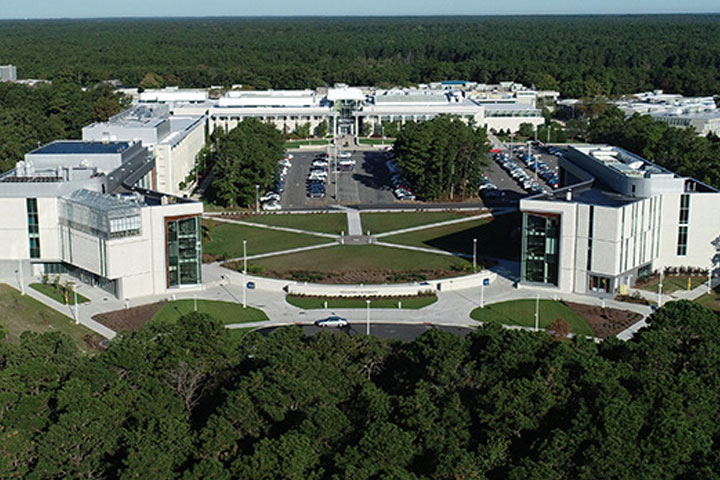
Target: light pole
367	317
195	302
482	294
19	272
537	313
335	163
74	288
257	199
709	289
660	288
474	255
244	286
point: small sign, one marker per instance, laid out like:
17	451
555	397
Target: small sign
250	285
486	282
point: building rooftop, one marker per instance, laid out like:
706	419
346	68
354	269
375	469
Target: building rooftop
69	147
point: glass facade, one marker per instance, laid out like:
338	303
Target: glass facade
683	228
33	227
184	251
540	248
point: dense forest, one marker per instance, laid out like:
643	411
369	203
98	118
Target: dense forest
185	401
580	56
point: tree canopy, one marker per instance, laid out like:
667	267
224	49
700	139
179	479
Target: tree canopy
579	56
442	157
32	116
244	157
186	401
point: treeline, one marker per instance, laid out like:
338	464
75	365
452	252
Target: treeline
677	149
184	401
580	56
33	116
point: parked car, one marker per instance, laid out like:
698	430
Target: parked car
271	206
332	321
270	196
344	154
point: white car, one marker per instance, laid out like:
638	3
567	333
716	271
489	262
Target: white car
289	156
271	206
320	163
331	321
345	155
270	197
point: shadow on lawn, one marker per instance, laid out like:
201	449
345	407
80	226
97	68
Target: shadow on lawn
499	238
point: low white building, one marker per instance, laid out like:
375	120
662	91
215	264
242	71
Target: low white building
174	141
704	123
617	218
80	208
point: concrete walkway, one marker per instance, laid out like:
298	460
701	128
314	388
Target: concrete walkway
446	222
281	252
270	227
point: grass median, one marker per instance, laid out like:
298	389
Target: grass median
60	295
226	312
522	313
226	241
496	237
333	223
315	303
387	222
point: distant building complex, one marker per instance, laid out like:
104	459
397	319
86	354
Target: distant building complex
618	218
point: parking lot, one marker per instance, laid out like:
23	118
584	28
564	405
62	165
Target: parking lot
368	183
508	188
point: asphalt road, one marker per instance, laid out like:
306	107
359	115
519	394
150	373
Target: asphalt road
395	331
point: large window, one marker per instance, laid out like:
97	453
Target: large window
540	248
183	251
683	229
33	227
591	221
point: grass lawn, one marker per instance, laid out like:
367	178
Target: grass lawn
238	334
376	141
710	300
313	303
227	240
386	222
339	261
315	222
297	143
494	237
226	312
58	296
522	312
674	283
21	313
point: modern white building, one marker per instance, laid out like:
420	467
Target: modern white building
174	141
8	73
704	123
617	218
83	208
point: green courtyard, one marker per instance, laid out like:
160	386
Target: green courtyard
387	222
226	241
333	223
496	237
226	312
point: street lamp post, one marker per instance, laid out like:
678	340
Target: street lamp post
367	317
660	288
537	313
195	302
482	294
257	199
244	286
474	255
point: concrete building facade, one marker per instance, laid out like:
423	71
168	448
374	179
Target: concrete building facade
617	218
81	208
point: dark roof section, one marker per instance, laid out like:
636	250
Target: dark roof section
87	148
